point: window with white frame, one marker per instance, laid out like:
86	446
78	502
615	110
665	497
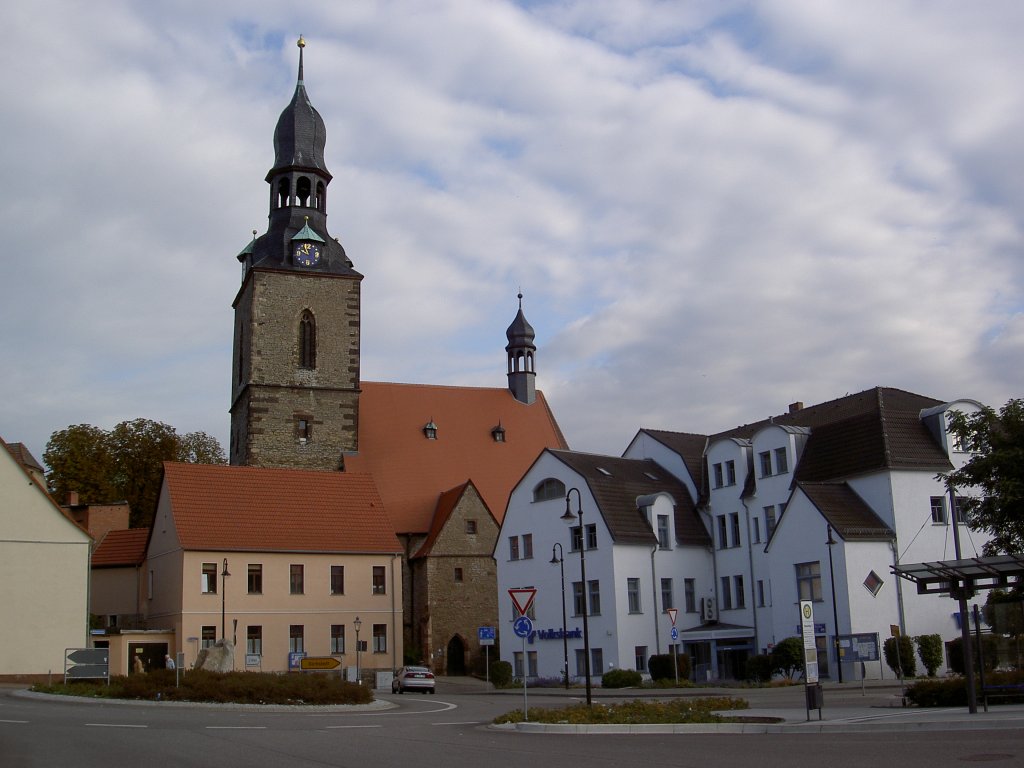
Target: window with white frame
723	532
717	469
663	532
296	578
760	593
337	638
640	658
208	636
938	510
549	488
633	594
765	457
208	583
808	581
781	461
594	593
254	639
255	578
337	579
734	526
740	594
513	547
379	583
730	472
756	530
769	521
873	583
296	638
690	595
667	599
527	546
592	536
578	606
380	638
726	596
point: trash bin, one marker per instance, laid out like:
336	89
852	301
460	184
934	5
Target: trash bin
815	697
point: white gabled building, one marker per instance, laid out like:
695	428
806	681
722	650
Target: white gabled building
639	522
863	467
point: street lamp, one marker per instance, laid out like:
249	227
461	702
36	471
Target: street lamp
570	518
835	611
223	600
560	560
358	625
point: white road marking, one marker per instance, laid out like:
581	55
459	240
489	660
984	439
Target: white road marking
464	722
115	725
13	721
336	727
236	727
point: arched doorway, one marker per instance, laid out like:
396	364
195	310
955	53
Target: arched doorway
456	656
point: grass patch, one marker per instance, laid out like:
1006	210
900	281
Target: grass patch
633	712
224	688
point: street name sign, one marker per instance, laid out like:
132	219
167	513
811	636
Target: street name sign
319	662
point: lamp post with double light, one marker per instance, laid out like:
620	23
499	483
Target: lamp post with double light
559	559
571	518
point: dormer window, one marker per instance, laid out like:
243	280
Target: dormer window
498	433
549	488
430	430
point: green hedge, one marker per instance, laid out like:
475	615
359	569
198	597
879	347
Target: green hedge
621	678
661	667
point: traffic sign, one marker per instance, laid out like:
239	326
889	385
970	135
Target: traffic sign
522	598
522	626
674	634
672	612
486	635
319	662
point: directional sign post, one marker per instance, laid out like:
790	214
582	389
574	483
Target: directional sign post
320	663
523	627
82	663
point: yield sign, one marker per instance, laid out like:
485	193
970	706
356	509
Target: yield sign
522	599
672	614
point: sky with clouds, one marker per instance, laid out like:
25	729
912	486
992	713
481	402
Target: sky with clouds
713	209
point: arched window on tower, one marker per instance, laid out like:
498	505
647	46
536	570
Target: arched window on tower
321	196
283	191
303	191
307	340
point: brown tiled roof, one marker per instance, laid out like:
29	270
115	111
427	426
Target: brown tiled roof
847	513
24	456
689	446
616	483
257	509
121	548
411	471
876	429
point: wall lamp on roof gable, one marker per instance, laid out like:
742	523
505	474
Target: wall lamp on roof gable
498	433
430	430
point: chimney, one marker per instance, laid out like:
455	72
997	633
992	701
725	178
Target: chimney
72	498
797	406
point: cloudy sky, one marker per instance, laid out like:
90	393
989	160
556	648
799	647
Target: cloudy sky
713	209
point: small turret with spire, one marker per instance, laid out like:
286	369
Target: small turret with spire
521	353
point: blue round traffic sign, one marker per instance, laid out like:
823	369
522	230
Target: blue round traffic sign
674	634
522	626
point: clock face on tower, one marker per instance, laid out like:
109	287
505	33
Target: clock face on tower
307	254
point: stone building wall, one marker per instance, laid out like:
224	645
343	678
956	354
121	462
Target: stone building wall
271	393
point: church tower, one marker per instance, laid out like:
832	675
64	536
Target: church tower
295	377
521	353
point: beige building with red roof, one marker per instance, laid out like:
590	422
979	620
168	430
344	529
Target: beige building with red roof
281	561
115	595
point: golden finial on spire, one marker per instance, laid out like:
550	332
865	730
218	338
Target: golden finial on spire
301	43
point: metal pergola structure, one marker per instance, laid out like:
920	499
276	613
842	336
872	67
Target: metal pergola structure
949	577
960	579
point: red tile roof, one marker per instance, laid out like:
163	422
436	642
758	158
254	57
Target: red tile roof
257	509
121	548
412	471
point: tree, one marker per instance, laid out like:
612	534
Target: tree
997	470
124	464
929	650
788	656
899	655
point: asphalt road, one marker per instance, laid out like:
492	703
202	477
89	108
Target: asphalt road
448	730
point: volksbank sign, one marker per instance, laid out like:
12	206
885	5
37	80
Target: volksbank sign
555	634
